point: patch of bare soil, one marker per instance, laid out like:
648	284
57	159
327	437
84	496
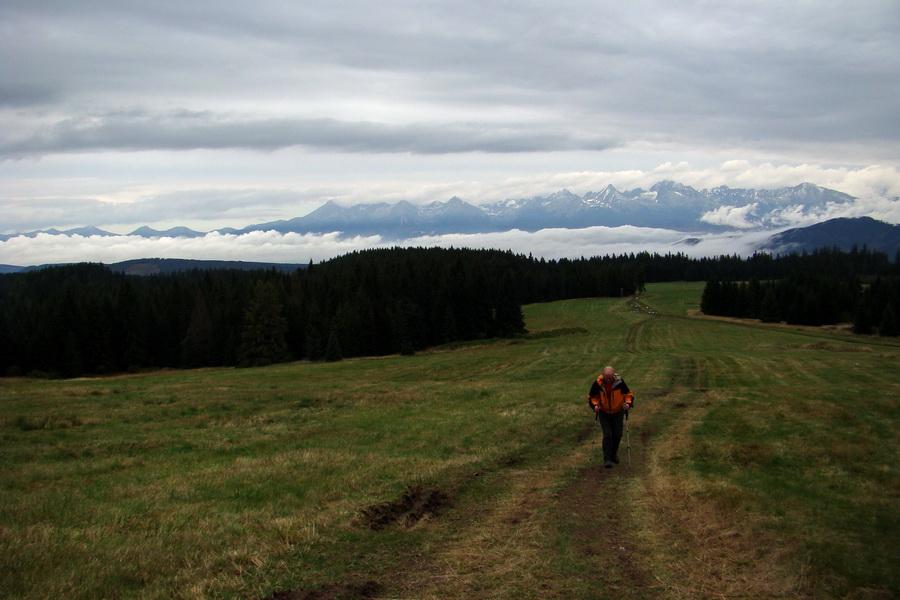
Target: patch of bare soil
603	533
499	546
499	549
348	591
412	506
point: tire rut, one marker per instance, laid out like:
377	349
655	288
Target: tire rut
603	536
631	338
500	551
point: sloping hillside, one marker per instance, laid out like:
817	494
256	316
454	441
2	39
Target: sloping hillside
844	234
470	472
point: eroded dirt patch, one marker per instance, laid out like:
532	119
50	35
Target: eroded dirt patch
511	461
602	527
416	503
602	532
348	591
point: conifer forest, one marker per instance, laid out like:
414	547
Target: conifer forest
85	319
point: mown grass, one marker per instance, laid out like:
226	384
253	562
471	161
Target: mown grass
785	441
234	483
765	464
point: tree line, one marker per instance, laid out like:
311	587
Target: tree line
824	288
83	319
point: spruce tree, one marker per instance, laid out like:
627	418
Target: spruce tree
768	308
862	324
197	345
333	348
264	328
889	327
710	303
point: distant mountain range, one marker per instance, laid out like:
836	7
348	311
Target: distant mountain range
666	205
158	266
842	233
145	232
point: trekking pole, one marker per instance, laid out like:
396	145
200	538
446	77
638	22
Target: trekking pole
628	438
594	436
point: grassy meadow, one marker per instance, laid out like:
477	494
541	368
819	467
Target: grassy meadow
763	465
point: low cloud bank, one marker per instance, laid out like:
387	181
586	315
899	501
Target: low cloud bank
270	246
42	200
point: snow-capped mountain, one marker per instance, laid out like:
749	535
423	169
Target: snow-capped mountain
667	205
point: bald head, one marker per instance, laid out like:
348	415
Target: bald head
609	374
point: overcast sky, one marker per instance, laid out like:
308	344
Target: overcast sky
121	113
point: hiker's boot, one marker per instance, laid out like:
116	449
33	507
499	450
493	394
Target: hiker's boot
608	464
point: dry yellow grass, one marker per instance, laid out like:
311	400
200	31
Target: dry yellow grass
498	549
702	545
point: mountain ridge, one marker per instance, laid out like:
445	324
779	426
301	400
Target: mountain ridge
841	233
667	204
161	266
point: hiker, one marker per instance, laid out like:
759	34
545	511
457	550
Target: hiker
611	400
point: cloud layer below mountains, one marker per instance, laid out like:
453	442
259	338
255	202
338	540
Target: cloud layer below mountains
300	249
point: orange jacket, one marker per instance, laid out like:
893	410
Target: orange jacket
612	401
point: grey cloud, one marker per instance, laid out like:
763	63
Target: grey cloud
196	208
25	94
295	248
183	130
650	61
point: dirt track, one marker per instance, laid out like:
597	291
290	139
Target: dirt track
498	546
604	533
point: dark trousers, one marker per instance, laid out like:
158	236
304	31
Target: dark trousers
612	426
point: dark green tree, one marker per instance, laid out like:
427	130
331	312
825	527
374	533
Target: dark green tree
333	351
314	346
710	299
197	345
264	327
769	310
889	327
508	317
864	321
